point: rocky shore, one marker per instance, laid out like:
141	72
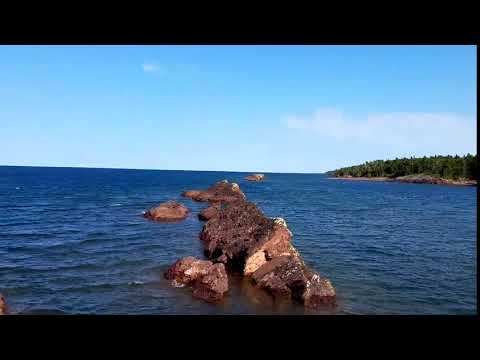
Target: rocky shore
239	239
413	179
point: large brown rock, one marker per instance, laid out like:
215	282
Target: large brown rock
255	177
277	243
168	211
209	280
222	191
3	306
236	229
212	286
209	213
318	292
187	270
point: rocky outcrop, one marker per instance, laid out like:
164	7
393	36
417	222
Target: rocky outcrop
209	280
248	242
222	191
209	213
168	211
427	179
255	177
239	238
237	228
3	306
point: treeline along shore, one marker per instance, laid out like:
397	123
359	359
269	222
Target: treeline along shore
444	170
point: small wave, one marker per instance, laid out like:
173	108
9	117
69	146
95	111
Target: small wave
136	282
116	205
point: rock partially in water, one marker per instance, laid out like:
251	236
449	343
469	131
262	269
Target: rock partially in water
237	228
187	270
318	292
3	306
168	211
222	191
248	242
255	177
209	280
213	285
208	213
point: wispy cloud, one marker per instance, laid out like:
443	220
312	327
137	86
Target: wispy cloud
151	67
424	132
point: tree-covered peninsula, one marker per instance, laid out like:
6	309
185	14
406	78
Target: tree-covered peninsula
433	169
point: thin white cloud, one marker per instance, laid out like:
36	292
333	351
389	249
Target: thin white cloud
422	132
151	67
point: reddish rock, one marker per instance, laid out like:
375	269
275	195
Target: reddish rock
168	211
277	243
237	228
213	285
222	191
208	213
318	292
188	270
209	280
255	177
3	305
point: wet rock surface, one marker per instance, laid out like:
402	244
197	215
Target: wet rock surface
168	211
209	280
240	239
248	242
222	191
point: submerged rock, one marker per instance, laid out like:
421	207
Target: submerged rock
3	306
209	280
168	211
255	177
222	191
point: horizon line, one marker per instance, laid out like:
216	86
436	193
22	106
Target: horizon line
120	168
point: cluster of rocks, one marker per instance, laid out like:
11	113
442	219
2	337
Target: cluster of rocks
255	177
238	238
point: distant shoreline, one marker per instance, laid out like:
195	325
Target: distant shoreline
412	179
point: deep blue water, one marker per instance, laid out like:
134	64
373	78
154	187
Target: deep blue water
74	241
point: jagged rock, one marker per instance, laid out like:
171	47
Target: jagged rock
277	243
168	211
318	292
213	285
187	270
222	191
237	228
255	177
209	280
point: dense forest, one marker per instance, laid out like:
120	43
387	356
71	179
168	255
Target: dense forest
447	167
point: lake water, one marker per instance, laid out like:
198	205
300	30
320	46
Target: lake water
73	241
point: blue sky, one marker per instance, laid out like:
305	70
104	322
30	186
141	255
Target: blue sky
234	108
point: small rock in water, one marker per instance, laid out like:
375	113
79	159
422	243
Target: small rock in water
168	211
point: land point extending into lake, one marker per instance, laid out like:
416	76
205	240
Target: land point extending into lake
438	170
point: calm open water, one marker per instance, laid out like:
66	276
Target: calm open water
74	241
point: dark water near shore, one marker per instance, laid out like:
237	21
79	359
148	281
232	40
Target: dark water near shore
74	241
